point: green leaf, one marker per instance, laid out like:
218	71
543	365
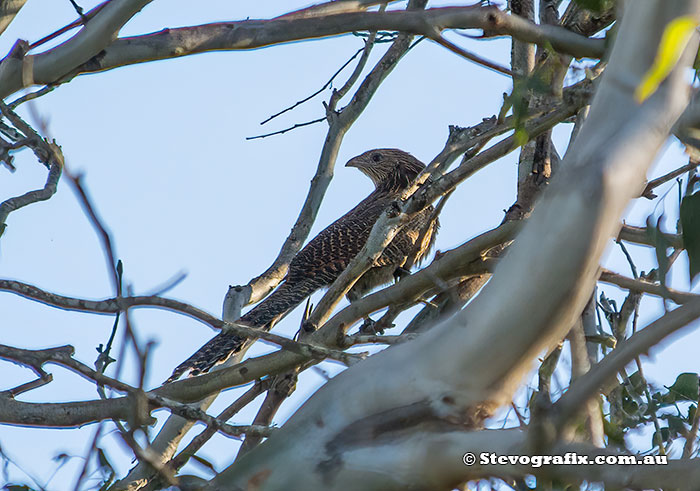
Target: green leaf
661	245
676	425
675	38
637	382
521	137
690	221
517	101
603	339
615	434
685	388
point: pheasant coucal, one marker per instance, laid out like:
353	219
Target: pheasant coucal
322	260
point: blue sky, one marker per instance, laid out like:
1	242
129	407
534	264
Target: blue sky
163	151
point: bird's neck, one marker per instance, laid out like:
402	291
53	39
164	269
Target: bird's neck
394	183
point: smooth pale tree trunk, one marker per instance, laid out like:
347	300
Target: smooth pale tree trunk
402	418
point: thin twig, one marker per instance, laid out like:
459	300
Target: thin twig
521	418
84	17
86	463
79	10
32	95
325	86
355	75
197	442
47	153
103	233
43	194
103	360
281	387
472	57
63	356
280	132
647	193
150	457
114	305
168	284
633	268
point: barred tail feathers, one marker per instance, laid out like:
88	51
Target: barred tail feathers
216	350
281	301
263	316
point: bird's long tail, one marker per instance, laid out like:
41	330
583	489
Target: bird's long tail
263	316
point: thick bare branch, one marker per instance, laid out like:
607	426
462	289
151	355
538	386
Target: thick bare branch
639	235
522	54
114	305
72	57
63	356
47	68
645	286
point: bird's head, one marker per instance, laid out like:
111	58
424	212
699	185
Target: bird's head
390	169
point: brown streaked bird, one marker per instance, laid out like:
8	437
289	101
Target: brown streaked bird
322	260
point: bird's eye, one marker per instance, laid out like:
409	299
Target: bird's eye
376	157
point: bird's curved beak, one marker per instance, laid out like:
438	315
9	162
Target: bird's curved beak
353	162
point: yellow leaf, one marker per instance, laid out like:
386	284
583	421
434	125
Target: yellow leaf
520	137
673	41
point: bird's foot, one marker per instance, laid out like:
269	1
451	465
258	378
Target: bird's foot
400	273
370	326
307	326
